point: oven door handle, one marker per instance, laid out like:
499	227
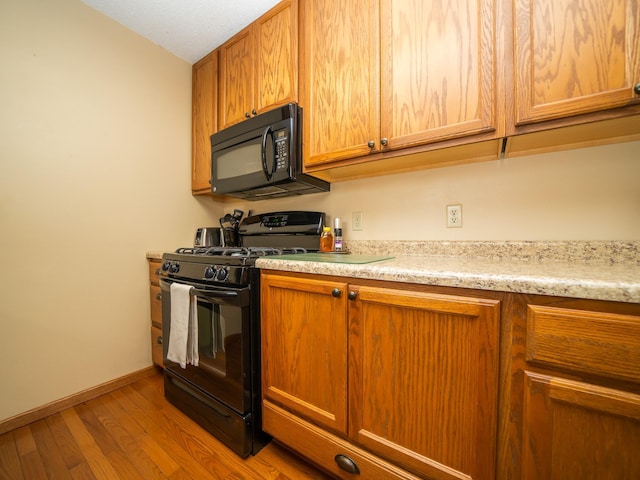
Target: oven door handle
205	293
214	293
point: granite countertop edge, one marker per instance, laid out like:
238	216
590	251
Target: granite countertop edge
591	270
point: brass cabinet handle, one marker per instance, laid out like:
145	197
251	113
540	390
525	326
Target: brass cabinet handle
371	144
346	464
352	295
384	142
253	112
336	292
246	114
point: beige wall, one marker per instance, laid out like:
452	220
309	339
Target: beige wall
585	194
94	171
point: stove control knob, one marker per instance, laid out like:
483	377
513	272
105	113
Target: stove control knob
165	266
209	272
222	275
174	267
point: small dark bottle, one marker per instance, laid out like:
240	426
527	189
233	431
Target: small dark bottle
337	234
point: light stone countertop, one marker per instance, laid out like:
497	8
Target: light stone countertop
590	270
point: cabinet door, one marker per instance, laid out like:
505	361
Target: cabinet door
340	92
438	75
156	346
205	121
423	380
574	57
578	431
276	72
236	78
304	348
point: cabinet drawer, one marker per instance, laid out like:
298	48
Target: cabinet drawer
154	271
321	447
155	297
583	341
156	346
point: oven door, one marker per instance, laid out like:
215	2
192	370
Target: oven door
224	344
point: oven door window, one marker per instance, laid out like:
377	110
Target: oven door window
223	348
220	340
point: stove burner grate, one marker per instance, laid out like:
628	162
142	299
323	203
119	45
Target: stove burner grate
242	252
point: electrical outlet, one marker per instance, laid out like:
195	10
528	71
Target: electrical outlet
454	216
357	221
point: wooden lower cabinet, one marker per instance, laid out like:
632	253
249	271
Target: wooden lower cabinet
155	299
573	407
322	447
577	430
398	378
304	342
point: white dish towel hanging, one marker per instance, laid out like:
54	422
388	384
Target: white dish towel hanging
183	334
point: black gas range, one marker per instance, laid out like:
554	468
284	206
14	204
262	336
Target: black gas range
220	387
267	234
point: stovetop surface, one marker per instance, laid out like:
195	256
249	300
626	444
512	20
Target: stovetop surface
228	255
217	265
239	251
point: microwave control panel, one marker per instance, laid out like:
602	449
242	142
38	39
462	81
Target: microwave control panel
282	149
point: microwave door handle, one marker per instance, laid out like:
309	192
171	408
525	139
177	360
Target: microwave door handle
267	132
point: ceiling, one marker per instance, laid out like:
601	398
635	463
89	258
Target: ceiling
187	28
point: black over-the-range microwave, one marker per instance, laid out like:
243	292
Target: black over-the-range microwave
261	157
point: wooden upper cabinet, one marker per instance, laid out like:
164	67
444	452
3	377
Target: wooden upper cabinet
258	66
236	78
205	120
390	74
574	57
276	62
437	71
340	79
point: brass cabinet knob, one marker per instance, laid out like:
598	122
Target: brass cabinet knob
352	295
371	144
336	292
384	142
637	89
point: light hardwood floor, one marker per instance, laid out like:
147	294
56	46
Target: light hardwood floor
134	433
